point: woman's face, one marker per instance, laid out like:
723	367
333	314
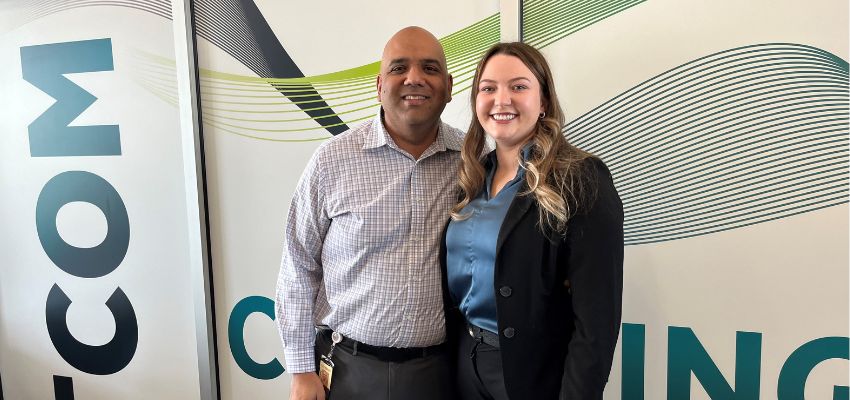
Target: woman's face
508	103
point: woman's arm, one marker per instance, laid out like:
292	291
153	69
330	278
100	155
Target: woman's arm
595	242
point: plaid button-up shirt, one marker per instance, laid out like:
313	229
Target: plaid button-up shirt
361	243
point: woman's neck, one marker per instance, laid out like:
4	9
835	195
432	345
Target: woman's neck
508	158
506	168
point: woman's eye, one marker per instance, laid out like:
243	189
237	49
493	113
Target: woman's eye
520	87
486	89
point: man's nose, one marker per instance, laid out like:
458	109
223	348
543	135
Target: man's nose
414	76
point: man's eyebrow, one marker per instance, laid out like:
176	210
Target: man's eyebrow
405	60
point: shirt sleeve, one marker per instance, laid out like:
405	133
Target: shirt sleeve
301	270
596	285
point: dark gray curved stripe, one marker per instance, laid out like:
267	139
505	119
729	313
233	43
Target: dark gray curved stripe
736	138
547	21
627	109
239	28
158	7
737	171
712	202
678	168
35	11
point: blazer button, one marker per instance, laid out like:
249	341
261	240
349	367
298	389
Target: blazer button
505	291
509	332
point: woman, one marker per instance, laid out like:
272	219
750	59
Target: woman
533	254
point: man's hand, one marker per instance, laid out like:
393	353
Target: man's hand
306	386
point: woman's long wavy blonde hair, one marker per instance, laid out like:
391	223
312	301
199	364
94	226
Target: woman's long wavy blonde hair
555	173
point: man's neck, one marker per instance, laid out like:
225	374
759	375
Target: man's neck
414	139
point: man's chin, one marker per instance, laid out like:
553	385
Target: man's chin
420	122
417	118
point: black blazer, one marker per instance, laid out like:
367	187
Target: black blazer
558	299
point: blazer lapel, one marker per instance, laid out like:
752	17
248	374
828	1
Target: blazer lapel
519	206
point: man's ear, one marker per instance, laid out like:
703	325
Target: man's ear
379	84
449	88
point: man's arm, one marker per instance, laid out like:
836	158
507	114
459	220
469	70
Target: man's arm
301	270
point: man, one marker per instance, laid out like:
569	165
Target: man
361	245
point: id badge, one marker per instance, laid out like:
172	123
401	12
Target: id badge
326	372
326	366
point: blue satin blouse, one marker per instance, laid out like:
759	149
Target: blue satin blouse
471	249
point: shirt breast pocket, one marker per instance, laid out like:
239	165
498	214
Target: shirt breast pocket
372	223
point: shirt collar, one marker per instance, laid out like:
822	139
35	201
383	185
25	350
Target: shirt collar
490	162
378	136
490	166
526	151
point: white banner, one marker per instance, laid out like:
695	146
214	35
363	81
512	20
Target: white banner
94	289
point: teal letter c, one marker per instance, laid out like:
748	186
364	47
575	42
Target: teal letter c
236	337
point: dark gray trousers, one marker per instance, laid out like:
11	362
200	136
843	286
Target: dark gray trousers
479	369
363	377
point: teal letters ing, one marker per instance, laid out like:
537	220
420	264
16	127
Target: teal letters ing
685	354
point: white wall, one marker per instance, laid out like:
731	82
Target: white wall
769	263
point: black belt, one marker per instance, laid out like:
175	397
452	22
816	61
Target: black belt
387	354
483	335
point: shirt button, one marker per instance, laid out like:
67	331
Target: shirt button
505	291
509	332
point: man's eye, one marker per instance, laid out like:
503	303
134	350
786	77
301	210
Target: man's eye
397	68
432	68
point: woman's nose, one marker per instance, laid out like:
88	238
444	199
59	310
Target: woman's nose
503	97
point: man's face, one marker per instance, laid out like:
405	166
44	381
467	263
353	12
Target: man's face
414	85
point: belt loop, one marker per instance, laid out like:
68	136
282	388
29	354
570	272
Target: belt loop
474	348
354	353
